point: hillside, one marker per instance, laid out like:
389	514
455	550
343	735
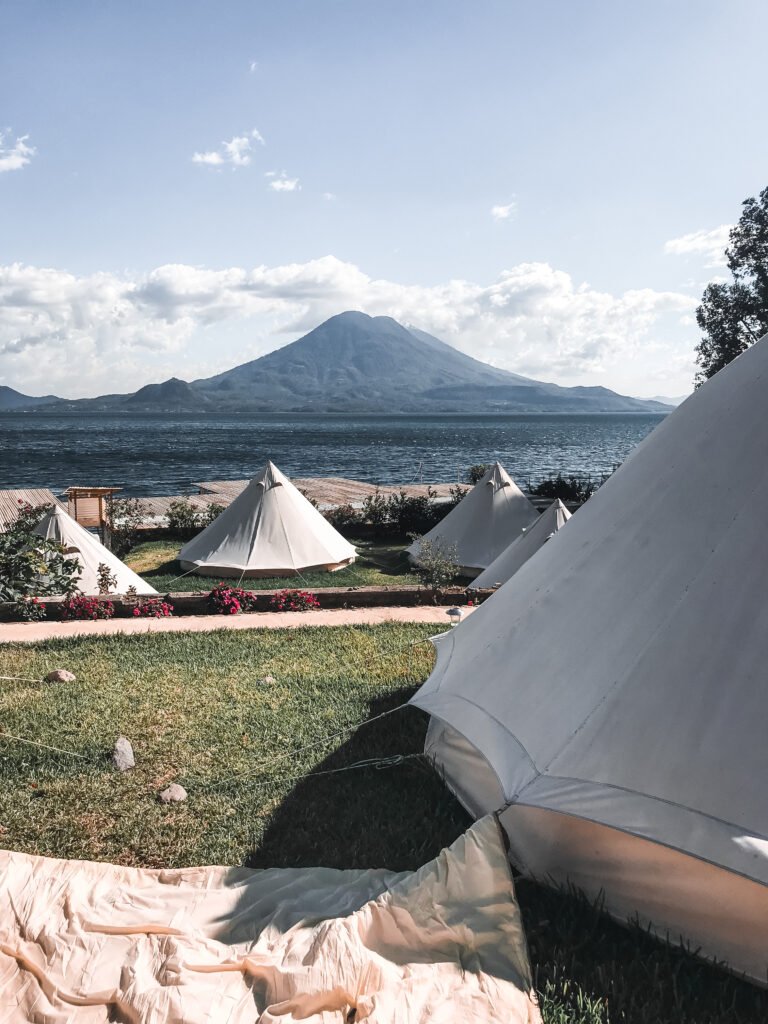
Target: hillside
354	362
359	363
173	394
11	399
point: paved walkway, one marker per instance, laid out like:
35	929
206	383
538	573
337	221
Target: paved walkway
31	631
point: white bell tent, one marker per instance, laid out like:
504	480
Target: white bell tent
60	527
520	550
270	529
613	700
484	523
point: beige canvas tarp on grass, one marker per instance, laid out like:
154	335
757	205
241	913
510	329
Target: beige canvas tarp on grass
87	943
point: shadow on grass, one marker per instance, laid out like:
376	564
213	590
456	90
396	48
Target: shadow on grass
172	568
397	817
588	968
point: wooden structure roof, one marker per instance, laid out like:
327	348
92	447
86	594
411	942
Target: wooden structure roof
11	501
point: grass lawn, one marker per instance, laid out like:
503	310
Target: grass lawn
379	564
197	713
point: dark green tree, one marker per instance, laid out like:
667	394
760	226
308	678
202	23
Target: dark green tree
733	316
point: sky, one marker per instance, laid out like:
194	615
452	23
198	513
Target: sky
186	185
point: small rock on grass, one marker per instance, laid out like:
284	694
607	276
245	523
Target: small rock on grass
267	681
174	794
122	754
60	675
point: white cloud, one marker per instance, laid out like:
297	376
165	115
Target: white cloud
503	212
236	152
15	153
253	66
329	196
99	333
282	183
709	244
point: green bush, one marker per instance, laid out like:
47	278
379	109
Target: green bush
186	519
182	516
436	564
376	511
568	488
125	517
30	566
343	517
476	473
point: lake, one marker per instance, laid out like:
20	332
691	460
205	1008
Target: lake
148	454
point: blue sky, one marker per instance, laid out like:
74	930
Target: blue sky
185	185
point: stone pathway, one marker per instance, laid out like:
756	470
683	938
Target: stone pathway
31	631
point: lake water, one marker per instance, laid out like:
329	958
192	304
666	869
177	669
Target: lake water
168	454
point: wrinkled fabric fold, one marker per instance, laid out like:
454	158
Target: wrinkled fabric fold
87	943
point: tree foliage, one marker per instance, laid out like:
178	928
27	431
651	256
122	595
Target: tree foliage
732	316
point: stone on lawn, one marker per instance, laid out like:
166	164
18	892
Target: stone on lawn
174	794
122	754
60	675
267	681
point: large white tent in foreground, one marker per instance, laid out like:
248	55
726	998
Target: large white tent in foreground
484	523
520	550
613	698
77	542
270	529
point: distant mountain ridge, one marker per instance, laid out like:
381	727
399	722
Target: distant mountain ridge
11	399
358	363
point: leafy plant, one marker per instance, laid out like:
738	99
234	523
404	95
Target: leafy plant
343	517
293	601
80	606
154	608
31	566
206	517
182	516
436	564
124	520
186	519
29	609
414	513
105	578
376	511
476	473
567	488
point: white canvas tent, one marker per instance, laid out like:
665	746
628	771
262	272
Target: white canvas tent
614	698
77	542
484	523
270	529
526	544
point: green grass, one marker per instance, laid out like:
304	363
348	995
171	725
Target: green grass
194	708
379	564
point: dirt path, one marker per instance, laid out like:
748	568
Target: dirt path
31	631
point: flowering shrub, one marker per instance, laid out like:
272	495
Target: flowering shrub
293	601
30	609
154	608
78	606
224	600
